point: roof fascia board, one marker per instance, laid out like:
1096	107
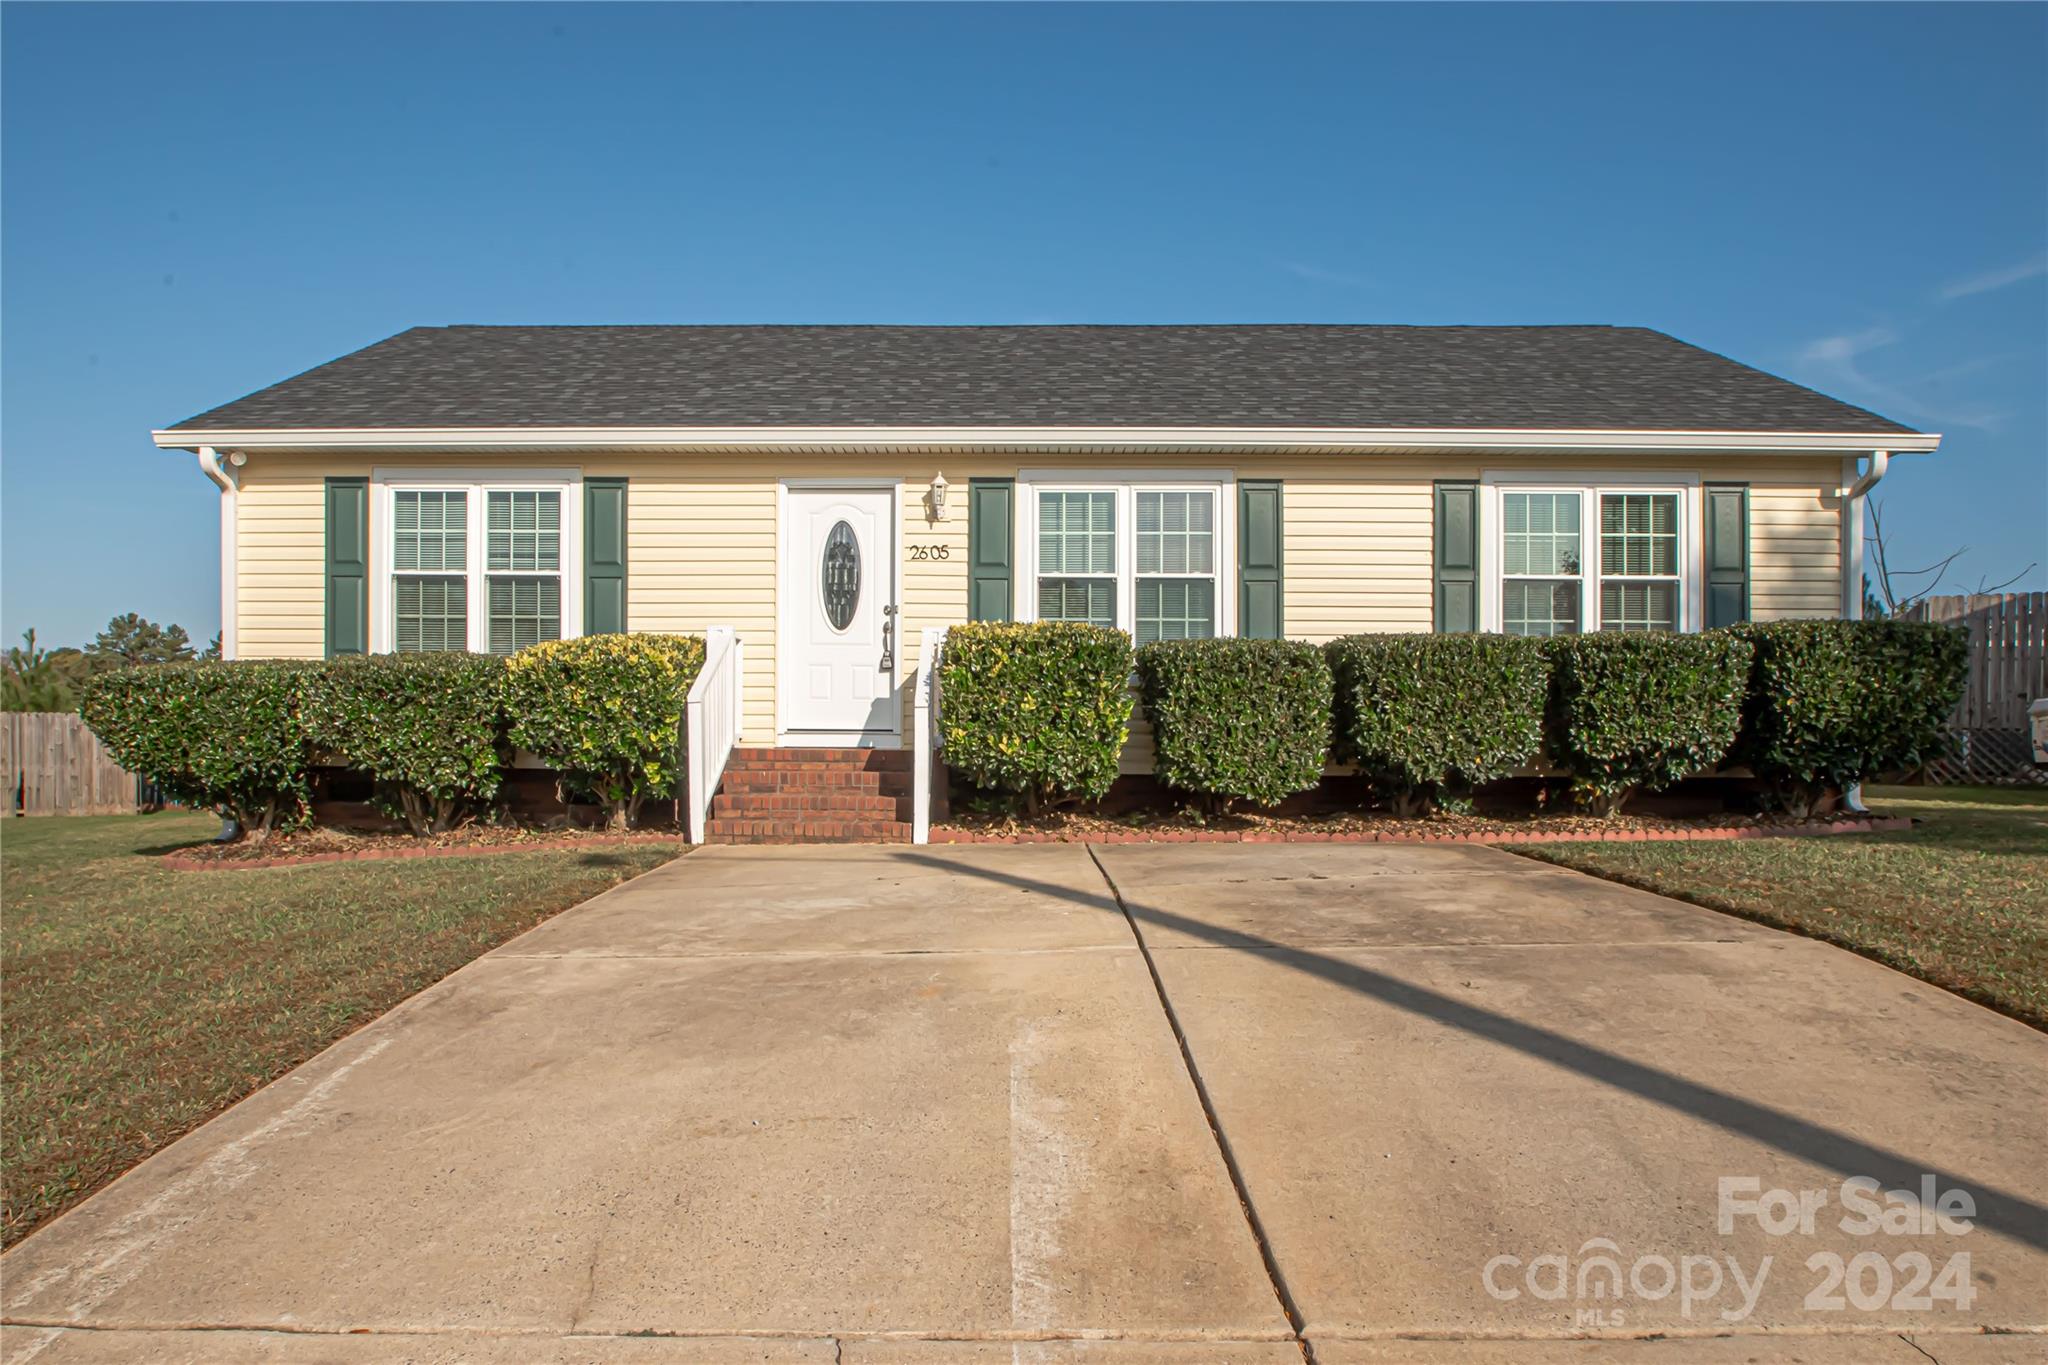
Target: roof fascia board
1222	439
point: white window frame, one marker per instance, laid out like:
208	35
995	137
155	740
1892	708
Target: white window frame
1590	486
1126	484
1499	545
476	485
1121	502
1685	593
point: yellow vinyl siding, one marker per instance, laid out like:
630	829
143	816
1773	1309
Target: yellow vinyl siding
702	535
1795	547
700	551
1357	549
280	561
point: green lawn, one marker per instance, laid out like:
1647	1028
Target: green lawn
1961	901
138	1001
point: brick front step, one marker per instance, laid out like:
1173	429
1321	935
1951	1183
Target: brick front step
819	831
812	770
790	796
870	760
869	784
799	804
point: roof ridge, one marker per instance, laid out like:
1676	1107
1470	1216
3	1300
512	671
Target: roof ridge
1026	326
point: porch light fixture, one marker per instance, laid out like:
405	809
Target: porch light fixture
938	497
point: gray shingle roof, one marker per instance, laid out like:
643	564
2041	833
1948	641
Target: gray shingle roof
1609	378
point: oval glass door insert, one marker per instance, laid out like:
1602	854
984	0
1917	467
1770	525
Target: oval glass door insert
839	574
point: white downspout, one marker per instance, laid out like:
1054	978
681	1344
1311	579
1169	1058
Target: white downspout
211	464
1852	528
1852	564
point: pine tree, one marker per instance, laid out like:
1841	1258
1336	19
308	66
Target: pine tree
34	681
132	639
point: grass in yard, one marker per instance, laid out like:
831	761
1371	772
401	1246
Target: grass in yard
1961	901
140	1001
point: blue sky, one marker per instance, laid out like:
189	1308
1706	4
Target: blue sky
201	200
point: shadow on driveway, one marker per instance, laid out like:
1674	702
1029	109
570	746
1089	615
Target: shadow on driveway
2001	1210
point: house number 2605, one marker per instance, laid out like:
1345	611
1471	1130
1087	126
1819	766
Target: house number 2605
931	552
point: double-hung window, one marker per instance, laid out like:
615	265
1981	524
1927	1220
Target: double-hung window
1176	578
478	564
523	567
1572	558
1542	563
1146	556
1639	581
1077	559
430	569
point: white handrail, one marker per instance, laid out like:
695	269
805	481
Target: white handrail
711	719
925	720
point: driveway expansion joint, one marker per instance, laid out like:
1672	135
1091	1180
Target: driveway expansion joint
1364	945
1673	1332
1288	1307
817	954
1191	1337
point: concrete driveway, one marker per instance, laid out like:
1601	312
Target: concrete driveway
1150	1104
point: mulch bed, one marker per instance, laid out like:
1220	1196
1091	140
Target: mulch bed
1369	828
341	846
335	845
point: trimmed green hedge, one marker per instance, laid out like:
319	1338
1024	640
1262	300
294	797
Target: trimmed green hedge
606	711
1636	712
1040	709
429	728
1237	719
226	736
1833	703
1427	718
1043	710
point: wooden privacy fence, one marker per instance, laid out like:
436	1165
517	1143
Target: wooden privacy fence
2008	670
55	766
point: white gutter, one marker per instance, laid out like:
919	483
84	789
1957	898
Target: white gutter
1221	439
211	465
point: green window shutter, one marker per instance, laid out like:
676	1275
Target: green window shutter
1725	554
1260	590
1457	556
990	551
348	566
604	556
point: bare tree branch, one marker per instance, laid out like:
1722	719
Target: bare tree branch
1892	585
1935	568
2001	587
1884	576
1938	569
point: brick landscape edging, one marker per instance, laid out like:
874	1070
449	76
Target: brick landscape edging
1710	833
374	855
1817	829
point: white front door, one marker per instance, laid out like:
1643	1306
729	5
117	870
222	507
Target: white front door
839	632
